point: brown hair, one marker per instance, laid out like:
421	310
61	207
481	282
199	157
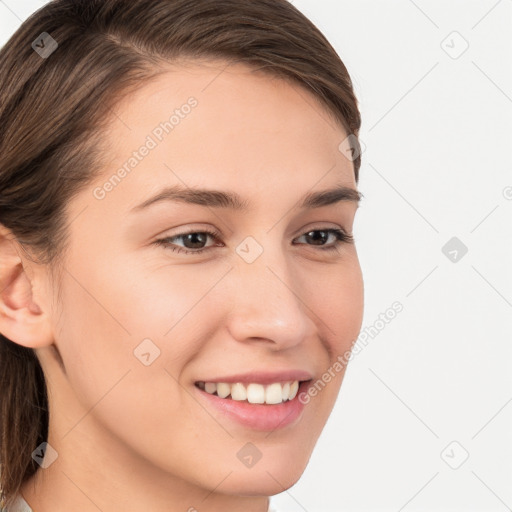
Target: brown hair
53	106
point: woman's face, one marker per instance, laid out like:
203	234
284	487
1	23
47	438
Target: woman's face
146	314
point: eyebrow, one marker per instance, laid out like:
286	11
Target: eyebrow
224	199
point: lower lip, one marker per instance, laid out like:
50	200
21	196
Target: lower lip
266	417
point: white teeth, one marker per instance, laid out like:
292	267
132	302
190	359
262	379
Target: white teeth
254	393
223	389
294	387
238	392
274	393
210	387
286	391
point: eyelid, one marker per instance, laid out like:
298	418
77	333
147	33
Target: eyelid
319	226
218	234
199	229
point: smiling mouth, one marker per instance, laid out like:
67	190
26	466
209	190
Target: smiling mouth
253	393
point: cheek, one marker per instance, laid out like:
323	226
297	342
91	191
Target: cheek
131	334
338	300
94	342
112	384
172	306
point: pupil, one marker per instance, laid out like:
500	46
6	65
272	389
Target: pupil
193	237
322	237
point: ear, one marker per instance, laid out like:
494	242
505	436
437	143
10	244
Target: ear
22	319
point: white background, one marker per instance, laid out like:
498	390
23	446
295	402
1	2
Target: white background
434	385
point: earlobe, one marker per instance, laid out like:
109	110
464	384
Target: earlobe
21	319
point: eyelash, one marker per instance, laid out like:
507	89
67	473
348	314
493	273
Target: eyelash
341	236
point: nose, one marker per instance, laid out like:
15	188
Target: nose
268	305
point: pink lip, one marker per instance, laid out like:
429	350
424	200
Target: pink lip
263	377
258	416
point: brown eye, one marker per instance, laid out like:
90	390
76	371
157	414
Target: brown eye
193	241
340	236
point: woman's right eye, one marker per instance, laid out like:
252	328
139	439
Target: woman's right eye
193	237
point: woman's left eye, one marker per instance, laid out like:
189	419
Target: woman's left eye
341	237
197	239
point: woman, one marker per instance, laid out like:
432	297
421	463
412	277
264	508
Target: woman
179	280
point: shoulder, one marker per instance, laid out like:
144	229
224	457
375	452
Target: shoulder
18	505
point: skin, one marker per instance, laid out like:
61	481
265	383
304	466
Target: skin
133	437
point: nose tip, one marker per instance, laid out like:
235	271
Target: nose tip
267	307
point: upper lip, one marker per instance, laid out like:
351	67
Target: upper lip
263	377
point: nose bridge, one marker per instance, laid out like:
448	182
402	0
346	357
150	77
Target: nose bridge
266	300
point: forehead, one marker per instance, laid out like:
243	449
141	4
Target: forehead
220	81
223	125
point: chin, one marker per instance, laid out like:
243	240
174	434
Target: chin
262	484
267	479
